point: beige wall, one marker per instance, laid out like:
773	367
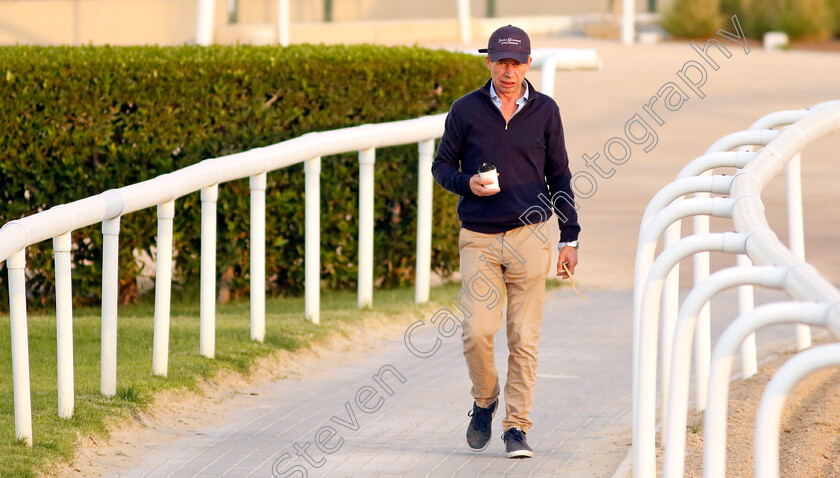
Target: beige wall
118	22
265	11
172	22
256	11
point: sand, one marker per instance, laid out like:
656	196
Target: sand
810	432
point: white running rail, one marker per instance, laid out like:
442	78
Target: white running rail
778	266
107	208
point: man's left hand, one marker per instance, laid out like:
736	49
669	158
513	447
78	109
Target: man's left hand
569	255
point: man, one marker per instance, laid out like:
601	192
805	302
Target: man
503	249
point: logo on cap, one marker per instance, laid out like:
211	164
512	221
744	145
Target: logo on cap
518	48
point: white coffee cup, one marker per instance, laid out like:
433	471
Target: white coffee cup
488	171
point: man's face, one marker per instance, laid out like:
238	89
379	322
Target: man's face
507	74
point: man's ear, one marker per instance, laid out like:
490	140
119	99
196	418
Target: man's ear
487	61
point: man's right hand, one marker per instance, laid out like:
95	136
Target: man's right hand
477	186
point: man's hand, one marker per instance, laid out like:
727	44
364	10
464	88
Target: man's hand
478	188
569	255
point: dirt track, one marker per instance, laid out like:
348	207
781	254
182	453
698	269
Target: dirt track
809	444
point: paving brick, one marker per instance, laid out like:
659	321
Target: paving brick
583	388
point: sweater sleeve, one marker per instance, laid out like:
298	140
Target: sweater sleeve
558	178
447	164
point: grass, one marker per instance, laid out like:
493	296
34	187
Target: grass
55	438
696	427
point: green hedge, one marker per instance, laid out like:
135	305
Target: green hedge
80	120
808	19
692	18
801	19
835	12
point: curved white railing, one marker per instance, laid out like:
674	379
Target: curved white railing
656	288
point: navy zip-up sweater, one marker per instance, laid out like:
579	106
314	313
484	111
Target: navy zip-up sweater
529	152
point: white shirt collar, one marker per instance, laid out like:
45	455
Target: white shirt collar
498	101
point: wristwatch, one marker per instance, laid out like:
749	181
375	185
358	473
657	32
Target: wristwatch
574	244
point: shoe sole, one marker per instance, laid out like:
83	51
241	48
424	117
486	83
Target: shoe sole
520	454
492	416
480	449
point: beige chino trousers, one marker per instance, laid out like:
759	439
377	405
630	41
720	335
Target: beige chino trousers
506	269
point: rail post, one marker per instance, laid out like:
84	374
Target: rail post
207	332
20	347
258	184
312	259
424	221
163	288
64	324
110	299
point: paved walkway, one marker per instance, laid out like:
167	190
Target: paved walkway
581	413
582	403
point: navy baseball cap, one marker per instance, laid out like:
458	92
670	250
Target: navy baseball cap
508	42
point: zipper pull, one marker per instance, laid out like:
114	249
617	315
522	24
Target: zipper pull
506	125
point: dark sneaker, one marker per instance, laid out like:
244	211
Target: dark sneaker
478	433
516	445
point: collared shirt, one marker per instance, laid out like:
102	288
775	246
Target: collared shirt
473	135
519	103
